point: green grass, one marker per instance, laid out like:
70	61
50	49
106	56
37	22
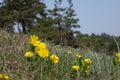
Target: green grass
14	64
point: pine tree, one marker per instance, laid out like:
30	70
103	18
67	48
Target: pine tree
64	20
24	12
5	17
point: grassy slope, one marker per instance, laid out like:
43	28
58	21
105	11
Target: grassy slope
13	63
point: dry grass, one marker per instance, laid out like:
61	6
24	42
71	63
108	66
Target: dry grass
13	63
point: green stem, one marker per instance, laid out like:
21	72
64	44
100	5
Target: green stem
116	43
78	75
41	70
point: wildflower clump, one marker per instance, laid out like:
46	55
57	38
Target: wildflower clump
4	76
116	58
54	58
87	65
83	65
38	48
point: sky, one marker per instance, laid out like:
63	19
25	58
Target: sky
96	16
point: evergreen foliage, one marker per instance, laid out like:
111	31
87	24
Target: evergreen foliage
59	23
99	43
22	12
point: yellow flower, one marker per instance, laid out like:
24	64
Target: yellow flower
87	71
79	56
75	67
1	76
36	43
88	61
119	60
6	77
43	52
37	49
28	54
69	52
42	45
117	54
33	40
39	44
54	58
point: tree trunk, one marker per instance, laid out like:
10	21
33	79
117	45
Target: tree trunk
24	29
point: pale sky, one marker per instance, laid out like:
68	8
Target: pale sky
96	16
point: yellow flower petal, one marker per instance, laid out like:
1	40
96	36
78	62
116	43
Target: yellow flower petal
54	58
117	54
33	40
75	67
88	61
1	76
6	77
28	54
43	52
79	56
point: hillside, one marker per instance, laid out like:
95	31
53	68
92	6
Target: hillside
13	62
